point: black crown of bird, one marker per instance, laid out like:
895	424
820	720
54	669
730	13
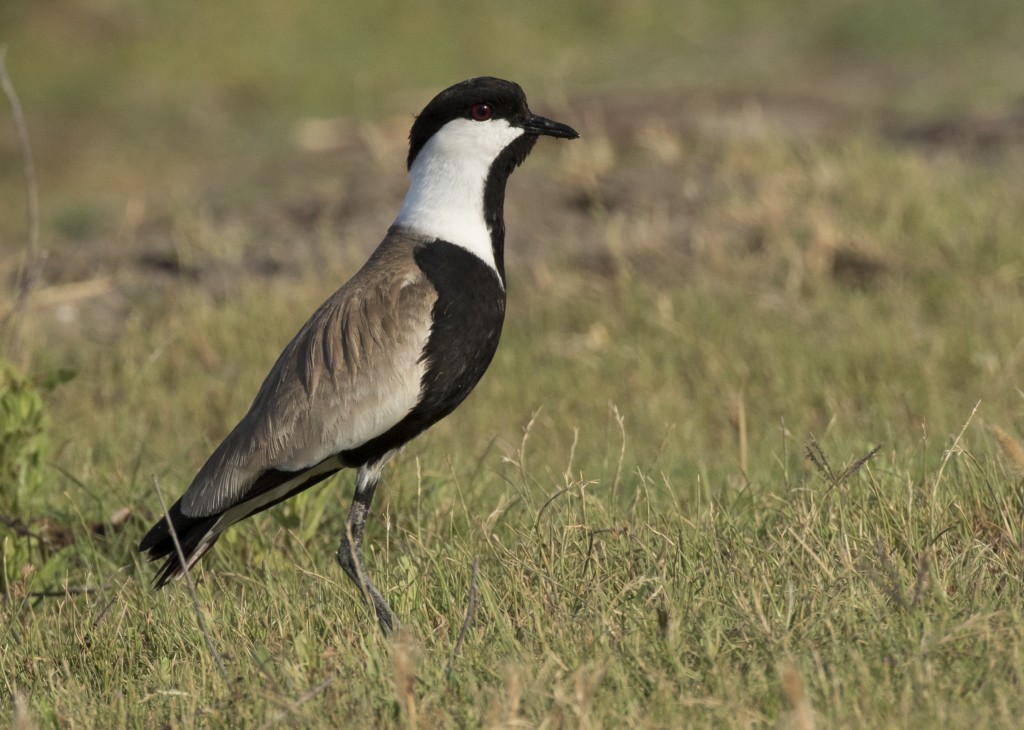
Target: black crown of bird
394	350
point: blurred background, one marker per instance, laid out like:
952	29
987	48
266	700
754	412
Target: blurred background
133	100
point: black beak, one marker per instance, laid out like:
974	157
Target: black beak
542	126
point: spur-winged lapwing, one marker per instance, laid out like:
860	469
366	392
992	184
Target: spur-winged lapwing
390	353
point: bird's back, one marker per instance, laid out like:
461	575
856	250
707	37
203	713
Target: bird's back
393	351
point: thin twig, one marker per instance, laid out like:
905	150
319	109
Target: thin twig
785	451
620	421
954	449
101	614
552	498
470	613
26	151
191	586
30	272
20	529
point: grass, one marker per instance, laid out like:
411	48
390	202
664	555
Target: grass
659	500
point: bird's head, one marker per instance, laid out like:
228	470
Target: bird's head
462	148
480	118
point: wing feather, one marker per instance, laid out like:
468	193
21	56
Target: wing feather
352	372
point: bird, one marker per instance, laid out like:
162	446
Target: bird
393	351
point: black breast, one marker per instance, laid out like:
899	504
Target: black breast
467	320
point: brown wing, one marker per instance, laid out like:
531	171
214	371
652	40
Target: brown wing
352	372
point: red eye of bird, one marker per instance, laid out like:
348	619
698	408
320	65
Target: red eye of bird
481	112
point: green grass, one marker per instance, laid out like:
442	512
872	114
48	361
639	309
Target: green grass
696	302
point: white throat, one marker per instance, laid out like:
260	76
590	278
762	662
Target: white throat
446	184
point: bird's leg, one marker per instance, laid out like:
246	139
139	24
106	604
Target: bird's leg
350	552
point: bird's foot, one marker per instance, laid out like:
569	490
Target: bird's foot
351	561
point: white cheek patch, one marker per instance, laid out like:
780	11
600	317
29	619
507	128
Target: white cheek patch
446	184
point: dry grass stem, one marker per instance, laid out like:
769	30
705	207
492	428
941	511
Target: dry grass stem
33	265
200	621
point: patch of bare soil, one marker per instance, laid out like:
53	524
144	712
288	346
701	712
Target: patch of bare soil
643	155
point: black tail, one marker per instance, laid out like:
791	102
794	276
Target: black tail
191	530
159	543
